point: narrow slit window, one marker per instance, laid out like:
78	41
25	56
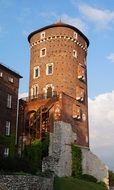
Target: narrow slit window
9	100
6	152
75	35
7	128
43	52
42	35
1	74
36	72
75	53
49	69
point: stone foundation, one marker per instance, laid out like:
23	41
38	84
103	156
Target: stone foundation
92	165
60	159
18	182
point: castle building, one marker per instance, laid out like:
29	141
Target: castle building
9	84
57	84
57	101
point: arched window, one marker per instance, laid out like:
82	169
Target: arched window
34	91
49	91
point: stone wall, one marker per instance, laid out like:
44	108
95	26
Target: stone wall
60	159
92	165
19	182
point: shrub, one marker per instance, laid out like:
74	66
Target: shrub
76	161
10	142
111	178
102	183
89	178
45	145
13	164
31	160
32	154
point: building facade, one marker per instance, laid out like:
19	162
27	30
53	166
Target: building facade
58	81
9	84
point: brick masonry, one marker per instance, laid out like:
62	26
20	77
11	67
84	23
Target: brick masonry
9	85
66	48
59	42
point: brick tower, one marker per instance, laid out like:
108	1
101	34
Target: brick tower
58	80
57	102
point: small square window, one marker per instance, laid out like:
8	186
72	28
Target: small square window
75	53
49	69
43	52
85	45
42	35
36	72
10	79
75	35
1	74
6	152
7	128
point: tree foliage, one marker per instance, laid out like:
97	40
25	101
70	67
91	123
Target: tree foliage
31	159
111	178
33	153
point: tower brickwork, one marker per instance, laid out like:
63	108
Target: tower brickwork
58	68
58	54
58	64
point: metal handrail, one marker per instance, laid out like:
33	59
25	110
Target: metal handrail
39	97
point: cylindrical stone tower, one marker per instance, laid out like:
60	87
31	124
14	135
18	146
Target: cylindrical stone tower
58	55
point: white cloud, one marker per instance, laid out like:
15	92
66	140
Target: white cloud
78	23
111	57
23	95
101	17
101	119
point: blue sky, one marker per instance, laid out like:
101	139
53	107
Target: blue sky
96	20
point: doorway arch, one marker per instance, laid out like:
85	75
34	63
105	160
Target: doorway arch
49	91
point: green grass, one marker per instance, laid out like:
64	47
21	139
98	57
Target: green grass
70	183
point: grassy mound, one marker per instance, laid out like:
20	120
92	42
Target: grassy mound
70	183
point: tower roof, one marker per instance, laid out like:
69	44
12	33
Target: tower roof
59	24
